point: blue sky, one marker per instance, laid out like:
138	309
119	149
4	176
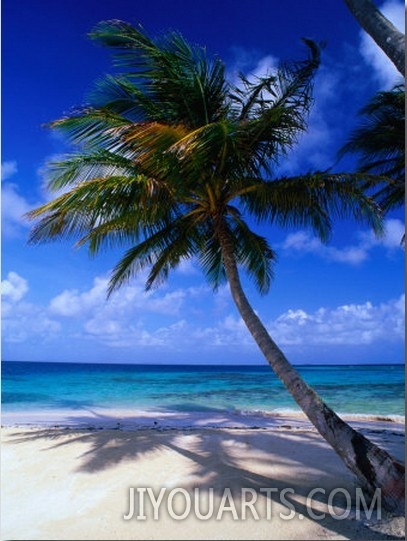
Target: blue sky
342	302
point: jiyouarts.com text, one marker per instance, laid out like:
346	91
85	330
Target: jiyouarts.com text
145	503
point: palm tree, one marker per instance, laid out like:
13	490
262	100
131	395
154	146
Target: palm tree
379	28
172	160
379	142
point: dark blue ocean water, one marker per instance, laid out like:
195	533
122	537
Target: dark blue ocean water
26	387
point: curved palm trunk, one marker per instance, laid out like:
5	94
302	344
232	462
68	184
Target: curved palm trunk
379	28
373	466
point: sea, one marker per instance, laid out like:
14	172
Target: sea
65	393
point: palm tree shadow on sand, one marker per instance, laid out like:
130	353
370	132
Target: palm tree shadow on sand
220	458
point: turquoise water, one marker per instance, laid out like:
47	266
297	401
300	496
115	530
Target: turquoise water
26	387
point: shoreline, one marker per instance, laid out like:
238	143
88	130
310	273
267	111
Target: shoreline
167	418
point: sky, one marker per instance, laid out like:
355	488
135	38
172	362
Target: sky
335	303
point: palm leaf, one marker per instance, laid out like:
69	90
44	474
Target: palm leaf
379	143
314	200
254	255
114	209
161	250
170	72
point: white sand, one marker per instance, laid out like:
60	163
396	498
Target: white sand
75	483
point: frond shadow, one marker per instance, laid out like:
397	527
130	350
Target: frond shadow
219	458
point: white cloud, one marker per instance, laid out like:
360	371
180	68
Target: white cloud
28	323
13	205
66	303
249	63
391	240
98	326
170	303
264	67
394	232
131	318
14	287
22	320
8	169
383	68
228	331
126	320
187	267
303	242
349	324
123	334
71	303
131	321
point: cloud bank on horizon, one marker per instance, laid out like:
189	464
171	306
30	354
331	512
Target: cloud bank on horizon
129	319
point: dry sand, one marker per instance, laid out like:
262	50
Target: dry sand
75	483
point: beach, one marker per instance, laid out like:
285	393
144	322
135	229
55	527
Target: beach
192	452
149	475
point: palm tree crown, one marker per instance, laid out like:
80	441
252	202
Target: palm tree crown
379	143
171	158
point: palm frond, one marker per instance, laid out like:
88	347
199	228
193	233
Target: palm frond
379	140
119	95
273	109
78	167
289	87
114	209
210	259
391	195
251	251
170	72
254	255
91	127
314	200
160	251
